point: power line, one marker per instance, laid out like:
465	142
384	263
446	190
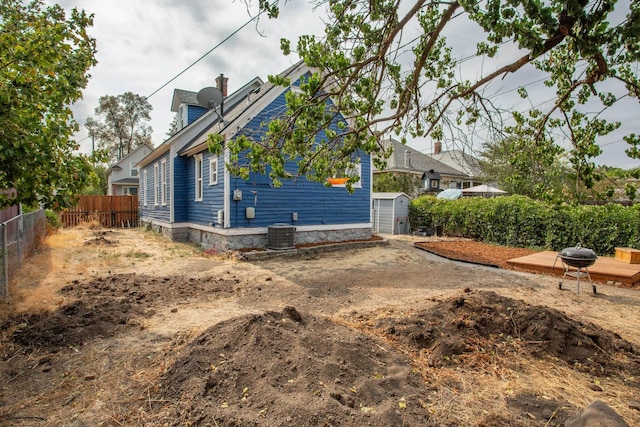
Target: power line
203	56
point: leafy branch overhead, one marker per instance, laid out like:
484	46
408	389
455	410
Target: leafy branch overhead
389	67
44	61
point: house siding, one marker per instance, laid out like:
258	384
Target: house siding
204	212
322	214
181	192
313	202
194	112
154	209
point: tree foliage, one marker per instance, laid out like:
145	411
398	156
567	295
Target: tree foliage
526	167
397	183
122	124
44	59
389	68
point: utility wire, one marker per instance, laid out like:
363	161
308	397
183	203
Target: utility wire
207	53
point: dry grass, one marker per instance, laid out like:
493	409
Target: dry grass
478	387
119	376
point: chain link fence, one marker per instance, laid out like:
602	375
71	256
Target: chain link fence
18	238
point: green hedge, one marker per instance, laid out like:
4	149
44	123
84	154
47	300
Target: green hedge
522	222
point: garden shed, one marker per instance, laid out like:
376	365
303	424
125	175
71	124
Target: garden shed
390	213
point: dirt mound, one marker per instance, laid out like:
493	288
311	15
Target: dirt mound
109	305
462	329
74	324
153	290
286	368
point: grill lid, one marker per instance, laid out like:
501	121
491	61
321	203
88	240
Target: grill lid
578	252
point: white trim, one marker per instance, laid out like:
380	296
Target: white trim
198	178
213	172
227	190
156	184
358	168
257	230
371	188
163	181
144	187
132	168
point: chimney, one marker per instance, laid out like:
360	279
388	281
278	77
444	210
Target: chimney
437	147
221	83
407	158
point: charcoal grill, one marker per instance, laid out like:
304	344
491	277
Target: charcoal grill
575	261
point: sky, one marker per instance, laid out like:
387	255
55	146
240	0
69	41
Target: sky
143	44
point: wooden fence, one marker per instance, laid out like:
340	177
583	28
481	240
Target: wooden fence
110	211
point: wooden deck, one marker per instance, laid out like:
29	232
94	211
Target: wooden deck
603	270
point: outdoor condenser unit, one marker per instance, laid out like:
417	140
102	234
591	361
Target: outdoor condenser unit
281	236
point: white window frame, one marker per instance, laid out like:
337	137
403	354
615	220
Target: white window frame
163	175
213	171
198	177
144	187
156	185
357	168
133	171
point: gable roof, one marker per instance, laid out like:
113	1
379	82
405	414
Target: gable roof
460	160
237	117
181	96
117	165
409	160
203	123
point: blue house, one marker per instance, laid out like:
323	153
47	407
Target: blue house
188	194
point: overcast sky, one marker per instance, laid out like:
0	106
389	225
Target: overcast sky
142	44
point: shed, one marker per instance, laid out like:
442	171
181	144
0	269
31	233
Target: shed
390	213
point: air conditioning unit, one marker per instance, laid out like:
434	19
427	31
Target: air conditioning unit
281	236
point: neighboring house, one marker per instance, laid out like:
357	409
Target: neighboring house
435	175
123	177
188	194
461	161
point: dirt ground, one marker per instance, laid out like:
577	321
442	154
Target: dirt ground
122	327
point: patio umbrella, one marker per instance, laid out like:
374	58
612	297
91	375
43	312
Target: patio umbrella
483	190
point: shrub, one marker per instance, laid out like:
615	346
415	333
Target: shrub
522	222
53	221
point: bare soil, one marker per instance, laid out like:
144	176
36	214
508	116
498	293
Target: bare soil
122	327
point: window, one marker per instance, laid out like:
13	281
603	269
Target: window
144	187
198	177
129	191
163	174
356	170
133	170
156	184
213	171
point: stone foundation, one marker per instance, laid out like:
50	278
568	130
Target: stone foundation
222	242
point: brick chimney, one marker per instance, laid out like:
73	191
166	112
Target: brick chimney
221	83
437	147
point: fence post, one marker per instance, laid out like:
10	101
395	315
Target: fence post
4	289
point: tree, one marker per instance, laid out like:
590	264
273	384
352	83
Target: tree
174	126
401	183
124	124
98	183
44	60
389	68
526	167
